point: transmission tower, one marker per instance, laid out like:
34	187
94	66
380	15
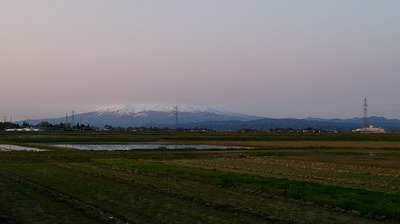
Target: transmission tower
365	118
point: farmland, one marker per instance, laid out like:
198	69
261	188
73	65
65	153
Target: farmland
284	178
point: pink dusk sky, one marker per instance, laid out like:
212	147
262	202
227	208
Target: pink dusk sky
281	58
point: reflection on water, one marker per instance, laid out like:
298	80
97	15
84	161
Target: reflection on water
18	148
144	146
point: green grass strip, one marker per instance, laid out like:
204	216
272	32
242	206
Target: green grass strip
364	201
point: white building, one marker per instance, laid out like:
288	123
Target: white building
370	129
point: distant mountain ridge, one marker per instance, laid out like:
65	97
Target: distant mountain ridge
138	108
156	115
295	124
189	116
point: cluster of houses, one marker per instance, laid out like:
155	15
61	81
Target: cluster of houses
24	129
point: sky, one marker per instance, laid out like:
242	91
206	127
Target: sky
271	58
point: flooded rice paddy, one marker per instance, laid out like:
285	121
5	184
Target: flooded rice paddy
145	146
7	148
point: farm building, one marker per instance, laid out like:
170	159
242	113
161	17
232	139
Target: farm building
370	129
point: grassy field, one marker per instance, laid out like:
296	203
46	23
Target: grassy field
285	178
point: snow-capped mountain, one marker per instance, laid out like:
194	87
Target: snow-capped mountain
159	115
188	116
130	109
156	115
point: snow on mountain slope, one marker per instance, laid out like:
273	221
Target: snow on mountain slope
130	109
126	115
156	115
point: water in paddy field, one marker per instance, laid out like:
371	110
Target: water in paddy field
144	146
18	148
